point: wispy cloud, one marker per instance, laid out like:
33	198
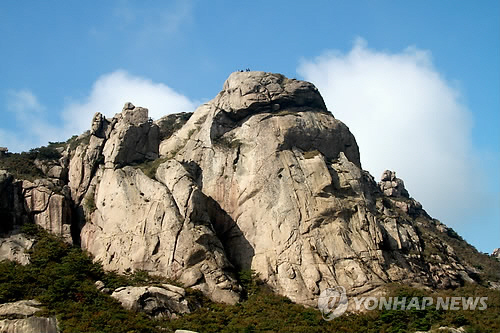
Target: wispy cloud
154	22
405	117
111	91
107	95
22	102
32	128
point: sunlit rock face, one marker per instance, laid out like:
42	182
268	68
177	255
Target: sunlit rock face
262	177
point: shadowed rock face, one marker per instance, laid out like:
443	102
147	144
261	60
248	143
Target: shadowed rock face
304	214
262	177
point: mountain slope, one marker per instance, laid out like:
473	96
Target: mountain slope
262	177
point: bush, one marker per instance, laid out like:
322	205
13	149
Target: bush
63	278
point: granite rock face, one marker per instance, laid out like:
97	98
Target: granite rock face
262	177
301	211
22	318
392	186
165	301
496	253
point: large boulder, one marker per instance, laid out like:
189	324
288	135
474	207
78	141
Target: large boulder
392	186
22	319
14	247
165	301
132	137
496	254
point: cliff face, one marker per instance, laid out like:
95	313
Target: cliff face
262	177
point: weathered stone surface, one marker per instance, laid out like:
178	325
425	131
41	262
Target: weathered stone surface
20	309
50	210
496	253
300	211
162	301
131	138
26	322
392	186
262	177
83	164
161	227
29	325
13	246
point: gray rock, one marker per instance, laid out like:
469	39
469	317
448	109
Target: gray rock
392	186
262	177
20	309
131	138
29	325
26	322
48	209
496	253
155	301
294	204
13	246
99	285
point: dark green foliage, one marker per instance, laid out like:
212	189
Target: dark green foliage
172	123
62	277
228	143
22	165
311	154
149	167
46	153
75	140
89	204
250	282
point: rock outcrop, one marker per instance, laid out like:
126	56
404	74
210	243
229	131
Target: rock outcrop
392	186
301	211
496	253
22	319
262	177
165	301
14	247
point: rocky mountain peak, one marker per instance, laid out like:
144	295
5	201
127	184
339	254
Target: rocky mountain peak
392	186
262	177
251	92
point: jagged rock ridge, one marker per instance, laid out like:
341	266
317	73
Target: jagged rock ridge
262	177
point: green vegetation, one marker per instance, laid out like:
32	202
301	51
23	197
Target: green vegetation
264	311
149	167
89	204
75	140
22	165
488	267
62	277
311	154
226	142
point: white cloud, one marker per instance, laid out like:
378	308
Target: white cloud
156	22
22	102
110	92
405	117
107	95
32	128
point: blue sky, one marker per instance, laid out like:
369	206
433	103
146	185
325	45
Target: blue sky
417	82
